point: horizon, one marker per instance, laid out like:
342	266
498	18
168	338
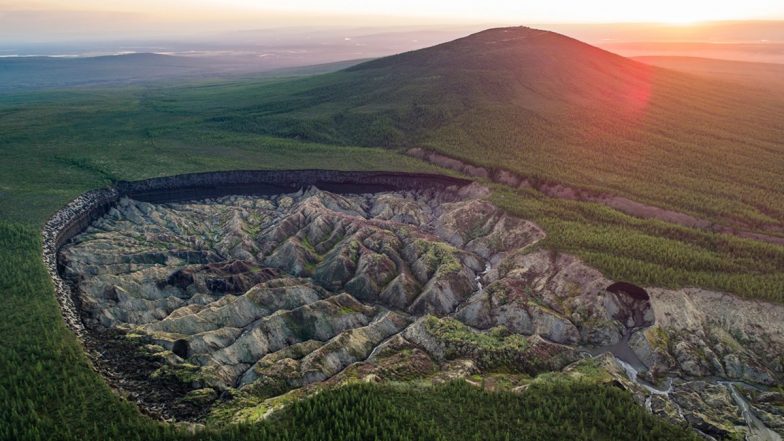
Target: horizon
289	46
53	21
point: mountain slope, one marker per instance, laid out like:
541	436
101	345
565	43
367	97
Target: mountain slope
551	107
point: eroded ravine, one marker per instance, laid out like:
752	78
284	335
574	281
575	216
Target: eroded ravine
261	295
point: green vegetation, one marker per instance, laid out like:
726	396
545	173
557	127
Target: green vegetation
493	349
438	256
551	108
650	252
59	144
558	410
49	392
452	331
724	164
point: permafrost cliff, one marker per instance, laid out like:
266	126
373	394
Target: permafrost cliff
262	295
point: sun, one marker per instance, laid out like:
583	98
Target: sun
683	13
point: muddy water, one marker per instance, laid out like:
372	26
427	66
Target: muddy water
621	350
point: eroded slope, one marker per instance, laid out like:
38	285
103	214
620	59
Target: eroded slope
252	297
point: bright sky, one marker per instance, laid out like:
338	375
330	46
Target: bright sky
70	17
548	10
465	10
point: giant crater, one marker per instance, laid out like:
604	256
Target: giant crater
199	299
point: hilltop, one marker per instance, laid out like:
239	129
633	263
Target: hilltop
551	107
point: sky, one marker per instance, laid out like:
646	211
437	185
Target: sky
39	20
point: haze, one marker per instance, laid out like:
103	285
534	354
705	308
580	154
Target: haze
53	19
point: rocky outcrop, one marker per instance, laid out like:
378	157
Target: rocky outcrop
225	283
125	370
66	223
271	182
497	348
703	333
550	294
79	213
263	294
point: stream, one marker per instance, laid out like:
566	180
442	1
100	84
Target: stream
480	276
631	372
758	431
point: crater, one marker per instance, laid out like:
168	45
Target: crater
272	293
194	305
263	294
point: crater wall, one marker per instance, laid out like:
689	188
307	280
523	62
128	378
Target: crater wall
79	213
74	218
313	277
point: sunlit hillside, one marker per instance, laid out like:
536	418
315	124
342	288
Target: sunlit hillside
554	108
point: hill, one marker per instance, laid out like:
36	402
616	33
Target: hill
58	144
550	107
699	145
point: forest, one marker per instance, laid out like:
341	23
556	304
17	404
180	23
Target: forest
723	164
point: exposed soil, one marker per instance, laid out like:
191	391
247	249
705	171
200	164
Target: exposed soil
629	289
190	304
129	370
620	203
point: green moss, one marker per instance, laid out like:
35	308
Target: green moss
589	369
726	338
201	396
493	349
345	310
658	338
305	243
185	373
498	292
438	256
450	330
245	411
252	230
253	225
267	387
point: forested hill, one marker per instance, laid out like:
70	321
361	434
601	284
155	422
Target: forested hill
549	106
